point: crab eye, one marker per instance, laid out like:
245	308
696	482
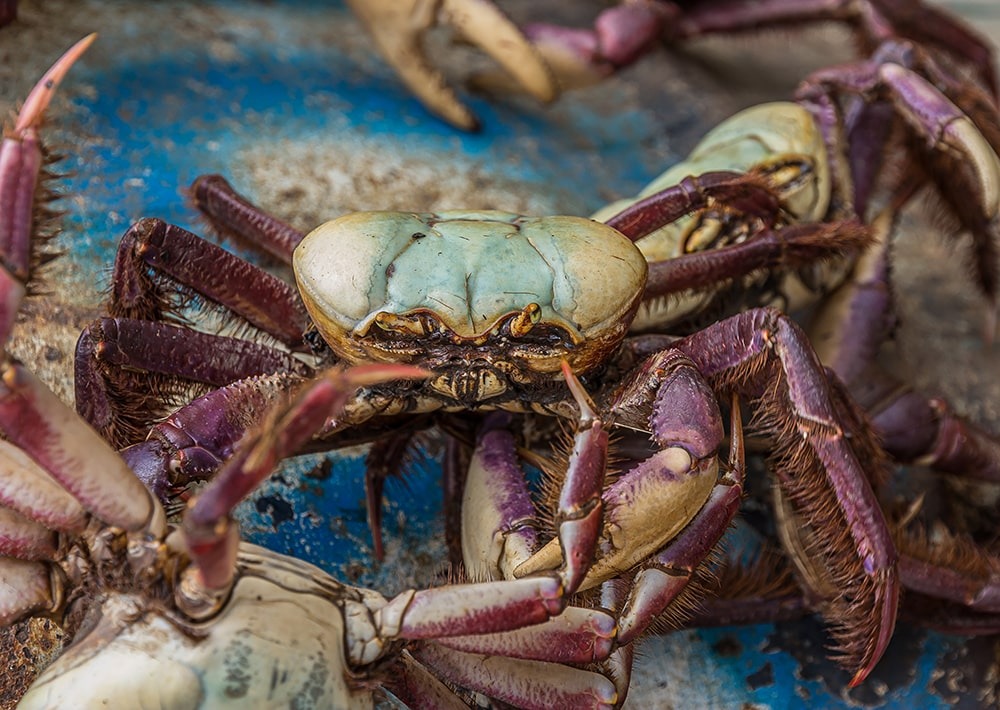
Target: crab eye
521	324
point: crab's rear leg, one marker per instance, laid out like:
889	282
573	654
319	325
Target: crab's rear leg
958	146
158	268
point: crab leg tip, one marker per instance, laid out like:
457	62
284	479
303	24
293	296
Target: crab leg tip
587	406
40	96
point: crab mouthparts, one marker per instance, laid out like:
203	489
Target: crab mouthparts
470	383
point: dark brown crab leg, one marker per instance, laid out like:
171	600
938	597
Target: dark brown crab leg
766	248
157	268
234	216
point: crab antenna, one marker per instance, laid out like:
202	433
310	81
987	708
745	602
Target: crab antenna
40	96
212	538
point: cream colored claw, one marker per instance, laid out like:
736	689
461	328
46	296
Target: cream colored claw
397	27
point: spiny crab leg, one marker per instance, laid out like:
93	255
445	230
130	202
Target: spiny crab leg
398	26
20	168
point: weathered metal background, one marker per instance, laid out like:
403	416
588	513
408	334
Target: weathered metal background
286	99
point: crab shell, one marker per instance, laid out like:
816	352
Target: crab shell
455	286
780	138
278	642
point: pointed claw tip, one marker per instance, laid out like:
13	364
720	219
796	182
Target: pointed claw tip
38	100
587	406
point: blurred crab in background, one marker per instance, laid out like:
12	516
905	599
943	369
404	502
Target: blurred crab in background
544	59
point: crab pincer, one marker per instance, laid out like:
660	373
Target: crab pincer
398	26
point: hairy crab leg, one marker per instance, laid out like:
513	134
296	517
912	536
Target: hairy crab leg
112	351
152	248
849	329
963	164
923	23
21	163
765	357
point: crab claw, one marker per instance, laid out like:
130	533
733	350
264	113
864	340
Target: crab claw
397	26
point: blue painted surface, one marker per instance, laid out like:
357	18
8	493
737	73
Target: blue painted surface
153	124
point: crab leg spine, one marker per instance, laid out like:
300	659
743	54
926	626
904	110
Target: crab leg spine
23	538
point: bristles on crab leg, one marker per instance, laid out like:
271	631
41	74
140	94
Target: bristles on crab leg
20	167
35	420
23	538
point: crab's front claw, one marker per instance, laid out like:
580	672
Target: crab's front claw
397	26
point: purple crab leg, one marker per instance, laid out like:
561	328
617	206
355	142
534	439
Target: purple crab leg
789	247
578	635
961	160
27	488
207	524
235	216
36	421
25	539
111	351
8	12
764	356
745	193
417	687
917	21
20	170
524	684
263	300
385	458
848	331
191	444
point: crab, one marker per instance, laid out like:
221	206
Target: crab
186	615
628	30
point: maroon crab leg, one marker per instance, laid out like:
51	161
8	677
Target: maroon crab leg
234	216
20	170
765	357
